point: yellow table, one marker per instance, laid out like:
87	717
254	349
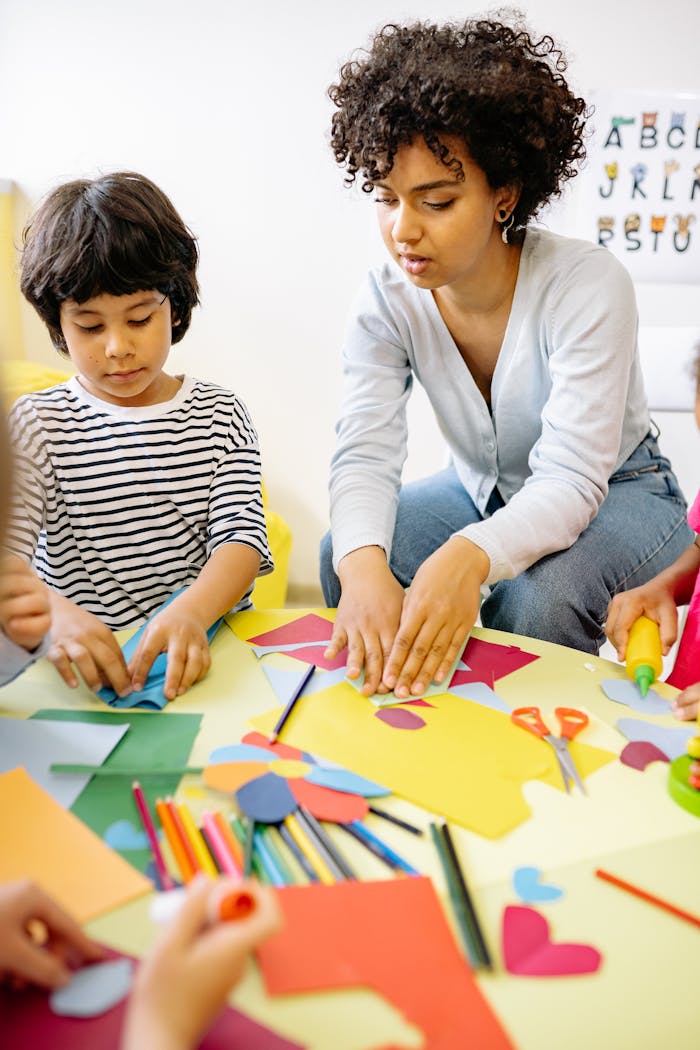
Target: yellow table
643	997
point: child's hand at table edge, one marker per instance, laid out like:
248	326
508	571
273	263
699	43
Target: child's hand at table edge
80	639
25	609
439	611
23	957
687	704
185	979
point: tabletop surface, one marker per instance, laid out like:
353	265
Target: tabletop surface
641	997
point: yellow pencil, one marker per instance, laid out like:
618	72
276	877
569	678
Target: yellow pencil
197	842
315	860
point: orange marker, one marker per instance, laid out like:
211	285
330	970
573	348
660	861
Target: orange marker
167	823
232	906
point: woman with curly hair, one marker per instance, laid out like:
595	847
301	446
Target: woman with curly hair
556	496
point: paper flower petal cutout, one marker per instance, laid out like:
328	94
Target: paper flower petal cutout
345	780
326	804
528	950
239	753
267	799
278	748
230	776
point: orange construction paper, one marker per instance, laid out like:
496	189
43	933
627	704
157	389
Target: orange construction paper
391	936
229	776
44	842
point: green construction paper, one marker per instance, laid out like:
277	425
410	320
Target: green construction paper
151	742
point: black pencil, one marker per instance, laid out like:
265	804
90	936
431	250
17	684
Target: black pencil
325	840
294	849
291	702
395	820
482	950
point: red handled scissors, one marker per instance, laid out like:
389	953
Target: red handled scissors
571	722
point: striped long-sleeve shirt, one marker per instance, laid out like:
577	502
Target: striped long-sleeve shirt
119	507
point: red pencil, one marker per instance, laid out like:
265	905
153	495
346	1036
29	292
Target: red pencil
649	897
164	877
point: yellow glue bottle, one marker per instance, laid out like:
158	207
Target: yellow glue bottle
643	657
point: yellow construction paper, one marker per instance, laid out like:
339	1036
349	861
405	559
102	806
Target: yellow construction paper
468	763
44	842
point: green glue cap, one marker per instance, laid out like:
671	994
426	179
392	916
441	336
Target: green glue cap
644	677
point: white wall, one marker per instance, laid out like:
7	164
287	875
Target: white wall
223	104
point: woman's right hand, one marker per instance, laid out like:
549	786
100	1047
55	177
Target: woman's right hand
368	615
80	639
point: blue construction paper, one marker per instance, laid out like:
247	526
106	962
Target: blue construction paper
344	780
481	693
529	887
94	989
35	745
625	691
673	742
151	696
284	682
267	799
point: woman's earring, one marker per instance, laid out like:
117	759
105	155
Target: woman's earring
506	226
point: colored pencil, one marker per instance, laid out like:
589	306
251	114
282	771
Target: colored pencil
201	852
164	877
248	848
174	841
269	834
239	830
370	846
650	898
316	861
293	847
482	948
325	844
209	846
219	846
395	820
230	839
291	703
389	853
267	860
186	844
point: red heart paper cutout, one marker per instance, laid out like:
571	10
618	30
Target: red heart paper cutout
528	951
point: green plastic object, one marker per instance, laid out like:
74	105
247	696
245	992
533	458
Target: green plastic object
678	787
644	677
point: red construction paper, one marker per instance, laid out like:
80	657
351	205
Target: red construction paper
309	628
313	654
27	1022
391	936
326	804
488	662
529	952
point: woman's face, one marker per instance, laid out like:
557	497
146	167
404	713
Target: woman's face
440	230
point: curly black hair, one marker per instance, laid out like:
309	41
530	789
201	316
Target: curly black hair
488	83
116	234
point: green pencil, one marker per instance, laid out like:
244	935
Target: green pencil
466	928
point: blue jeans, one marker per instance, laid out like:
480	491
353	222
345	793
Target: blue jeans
639	530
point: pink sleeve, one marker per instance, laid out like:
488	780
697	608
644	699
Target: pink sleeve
694	515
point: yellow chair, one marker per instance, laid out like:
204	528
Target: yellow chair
270	592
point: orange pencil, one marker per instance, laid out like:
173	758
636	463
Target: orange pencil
174	841
650	898
182	835
230	839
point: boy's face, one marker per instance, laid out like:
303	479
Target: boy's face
119	344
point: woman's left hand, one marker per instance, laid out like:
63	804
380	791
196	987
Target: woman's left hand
439	611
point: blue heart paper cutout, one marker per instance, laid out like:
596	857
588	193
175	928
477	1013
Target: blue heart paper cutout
123	835
529	887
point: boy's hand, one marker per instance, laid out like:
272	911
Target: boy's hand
368	615
654	600
179	633
25	610
23	957
79	638
184	981
687	704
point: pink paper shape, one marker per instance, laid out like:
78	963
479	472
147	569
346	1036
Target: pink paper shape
638	754
487	662
529	952
309	628
399	718
313	654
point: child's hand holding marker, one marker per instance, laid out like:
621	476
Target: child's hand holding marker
185	979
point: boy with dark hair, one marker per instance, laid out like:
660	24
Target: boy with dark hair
135	483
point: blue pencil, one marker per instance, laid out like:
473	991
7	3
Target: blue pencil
381	847
267	860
